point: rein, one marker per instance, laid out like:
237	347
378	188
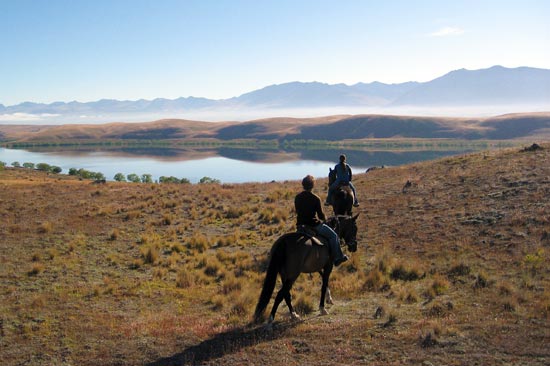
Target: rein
338	226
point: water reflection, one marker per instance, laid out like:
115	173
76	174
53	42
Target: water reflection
230	165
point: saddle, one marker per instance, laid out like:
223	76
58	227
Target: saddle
309	233
342	184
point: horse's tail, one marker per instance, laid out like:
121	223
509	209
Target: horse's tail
275	262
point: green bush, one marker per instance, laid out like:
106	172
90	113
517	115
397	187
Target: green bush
206	180
146	178
43	167
134	178
119	177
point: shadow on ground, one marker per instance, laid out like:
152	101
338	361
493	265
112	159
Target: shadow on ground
225	343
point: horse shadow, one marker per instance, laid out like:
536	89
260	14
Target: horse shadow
225	343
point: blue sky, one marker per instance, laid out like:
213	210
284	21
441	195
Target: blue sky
65	50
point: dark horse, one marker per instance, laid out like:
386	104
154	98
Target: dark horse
342	197
296	253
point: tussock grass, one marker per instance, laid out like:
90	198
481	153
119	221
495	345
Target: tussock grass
455	271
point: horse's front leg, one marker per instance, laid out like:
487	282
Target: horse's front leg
324	287
328	296
329	299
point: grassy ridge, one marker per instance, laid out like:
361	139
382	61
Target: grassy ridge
453	268
331	128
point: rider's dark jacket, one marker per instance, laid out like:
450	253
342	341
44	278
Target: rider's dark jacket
308	209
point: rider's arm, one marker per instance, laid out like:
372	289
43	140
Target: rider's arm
349	168
319	209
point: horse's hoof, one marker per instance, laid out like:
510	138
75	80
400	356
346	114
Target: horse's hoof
323	311
294	316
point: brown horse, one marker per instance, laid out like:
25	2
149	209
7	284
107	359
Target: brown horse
342	196
296	253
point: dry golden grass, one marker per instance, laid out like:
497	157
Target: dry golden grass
453	270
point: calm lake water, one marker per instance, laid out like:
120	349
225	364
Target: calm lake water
229	165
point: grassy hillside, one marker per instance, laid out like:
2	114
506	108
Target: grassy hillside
513	126
452	268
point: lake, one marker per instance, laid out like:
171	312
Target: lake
229	165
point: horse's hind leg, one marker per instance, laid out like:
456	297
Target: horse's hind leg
284	293
288	300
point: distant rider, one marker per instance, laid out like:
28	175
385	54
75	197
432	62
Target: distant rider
310	212
343	176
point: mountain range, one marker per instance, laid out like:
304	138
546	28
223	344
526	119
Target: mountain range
495	86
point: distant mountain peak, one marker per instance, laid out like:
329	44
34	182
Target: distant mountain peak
496	85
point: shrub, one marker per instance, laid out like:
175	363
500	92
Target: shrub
150	255
45	227
534	261
172	179
399	272
439	285
114	234
410	296
208	180
230	284
233	212
482	281
36	269
459	270
134	178
392	319
198	242
119	177
184	279
375	281
146	178
43	167
212	267
28	165
304	304
167	219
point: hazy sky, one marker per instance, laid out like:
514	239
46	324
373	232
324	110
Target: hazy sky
85	50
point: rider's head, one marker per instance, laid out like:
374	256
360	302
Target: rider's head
342	158
308	182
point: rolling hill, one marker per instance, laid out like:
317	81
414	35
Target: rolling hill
330	128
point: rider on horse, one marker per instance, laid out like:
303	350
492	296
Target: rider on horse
310	213
343	177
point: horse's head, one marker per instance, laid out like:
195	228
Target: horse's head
346	228
331	176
